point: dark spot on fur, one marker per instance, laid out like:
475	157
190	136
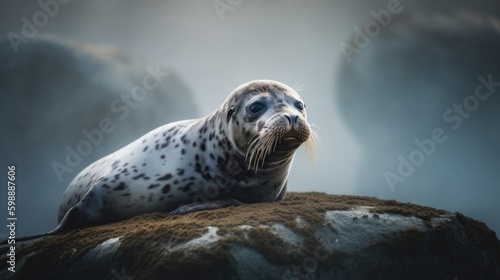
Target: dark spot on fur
203	147
221	162
183	151
152	186
114	165
187	187
162	156
142	175
261	124
206	176
180	172
145	148
165	188
120	187
165	177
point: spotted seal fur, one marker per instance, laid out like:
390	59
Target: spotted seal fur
241	153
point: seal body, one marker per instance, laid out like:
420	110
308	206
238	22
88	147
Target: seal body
241	153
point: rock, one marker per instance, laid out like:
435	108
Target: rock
422	100
65	105
306	236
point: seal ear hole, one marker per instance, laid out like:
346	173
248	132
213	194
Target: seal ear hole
230	113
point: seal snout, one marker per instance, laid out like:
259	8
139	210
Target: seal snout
295	129
292	119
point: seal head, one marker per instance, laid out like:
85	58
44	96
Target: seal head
268	122
265	123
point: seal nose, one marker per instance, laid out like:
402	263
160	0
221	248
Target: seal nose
292	120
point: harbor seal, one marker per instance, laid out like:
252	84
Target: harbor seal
241	153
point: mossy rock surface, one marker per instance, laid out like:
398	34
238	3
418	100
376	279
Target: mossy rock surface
306	236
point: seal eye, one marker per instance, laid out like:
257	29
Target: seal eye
299	105
256	108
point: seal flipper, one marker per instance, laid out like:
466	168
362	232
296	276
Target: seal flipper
199	206
70	221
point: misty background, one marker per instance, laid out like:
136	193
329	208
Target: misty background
208	54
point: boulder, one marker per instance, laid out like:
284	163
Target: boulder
65	104
306	236
422	99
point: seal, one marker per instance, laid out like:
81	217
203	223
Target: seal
241	153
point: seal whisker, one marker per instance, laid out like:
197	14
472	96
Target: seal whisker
252	146
268	147
261	152
311	144
299	87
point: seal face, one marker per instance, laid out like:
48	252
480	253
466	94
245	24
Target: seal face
241	153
